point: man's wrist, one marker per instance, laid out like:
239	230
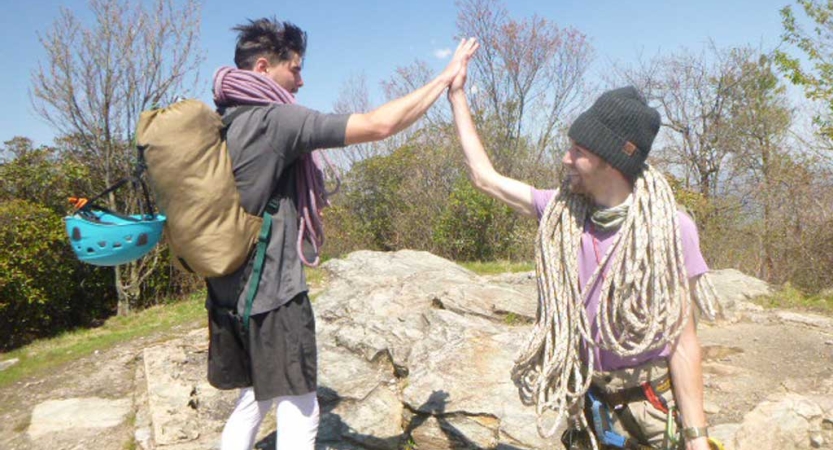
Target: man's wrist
456	93
446	77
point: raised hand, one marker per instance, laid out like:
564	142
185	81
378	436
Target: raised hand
465	50
459	81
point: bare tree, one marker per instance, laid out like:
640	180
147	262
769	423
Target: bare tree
695	94
98	77
528	75
355	97
413	192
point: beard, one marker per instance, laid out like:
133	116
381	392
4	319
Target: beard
576	184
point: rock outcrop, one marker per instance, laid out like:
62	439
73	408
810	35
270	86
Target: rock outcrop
415	352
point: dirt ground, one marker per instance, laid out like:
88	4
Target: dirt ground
744	363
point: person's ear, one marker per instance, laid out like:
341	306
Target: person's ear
261	66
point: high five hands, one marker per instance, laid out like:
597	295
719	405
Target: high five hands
455	72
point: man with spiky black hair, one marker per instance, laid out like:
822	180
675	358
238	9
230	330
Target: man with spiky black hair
262	337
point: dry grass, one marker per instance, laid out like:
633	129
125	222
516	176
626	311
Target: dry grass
497	267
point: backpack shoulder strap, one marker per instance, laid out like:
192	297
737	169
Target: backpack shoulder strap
257	270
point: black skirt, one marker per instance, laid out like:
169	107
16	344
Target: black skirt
277	356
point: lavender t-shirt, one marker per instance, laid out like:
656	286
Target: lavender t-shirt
587	263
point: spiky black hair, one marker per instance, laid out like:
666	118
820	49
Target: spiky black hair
268	38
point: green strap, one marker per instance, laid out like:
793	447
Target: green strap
273	205
260	257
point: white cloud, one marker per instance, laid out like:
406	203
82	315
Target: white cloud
442	53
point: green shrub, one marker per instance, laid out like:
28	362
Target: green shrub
791	297
476	227
167	283
44	289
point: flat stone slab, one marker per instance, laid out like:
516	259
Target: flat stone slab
185	412
812	320
8	363
55	416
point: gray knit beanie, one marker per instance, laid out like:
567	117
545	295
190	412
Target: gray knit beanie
620	128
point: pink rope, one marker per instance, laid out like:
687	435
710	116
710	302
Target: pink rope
234	87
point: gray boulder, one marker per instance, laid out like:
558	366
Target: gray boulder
435	338
735	290
791	421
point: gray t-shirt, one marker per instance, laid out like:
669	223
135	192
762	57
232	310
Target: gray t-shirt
264	144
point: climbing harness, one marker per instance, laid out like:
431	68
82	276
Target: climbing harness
603	405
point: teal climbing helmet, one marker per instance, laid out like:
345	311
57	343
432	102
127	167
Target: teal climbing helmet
105	238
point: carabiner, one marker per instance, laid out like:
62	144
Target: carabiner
671	439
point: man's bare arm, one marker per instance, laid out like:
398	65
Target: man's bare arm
483	175
396	115
686	366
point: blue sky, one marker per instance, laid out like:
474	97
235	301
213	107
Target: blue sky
373	38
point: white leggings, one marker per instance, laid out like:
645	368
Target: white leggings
297	421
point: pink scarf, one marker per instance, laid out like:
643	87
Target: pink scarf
234	87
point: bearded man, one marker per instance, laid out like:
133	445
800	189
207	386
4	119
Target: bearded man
614	348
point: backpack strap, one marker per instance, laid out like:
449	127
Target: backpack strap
260	258
257	271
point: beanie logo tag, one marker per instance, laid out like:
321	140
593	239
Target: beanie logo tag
629	149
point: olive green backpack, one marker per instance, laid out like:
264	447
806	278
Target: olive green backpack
191	176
